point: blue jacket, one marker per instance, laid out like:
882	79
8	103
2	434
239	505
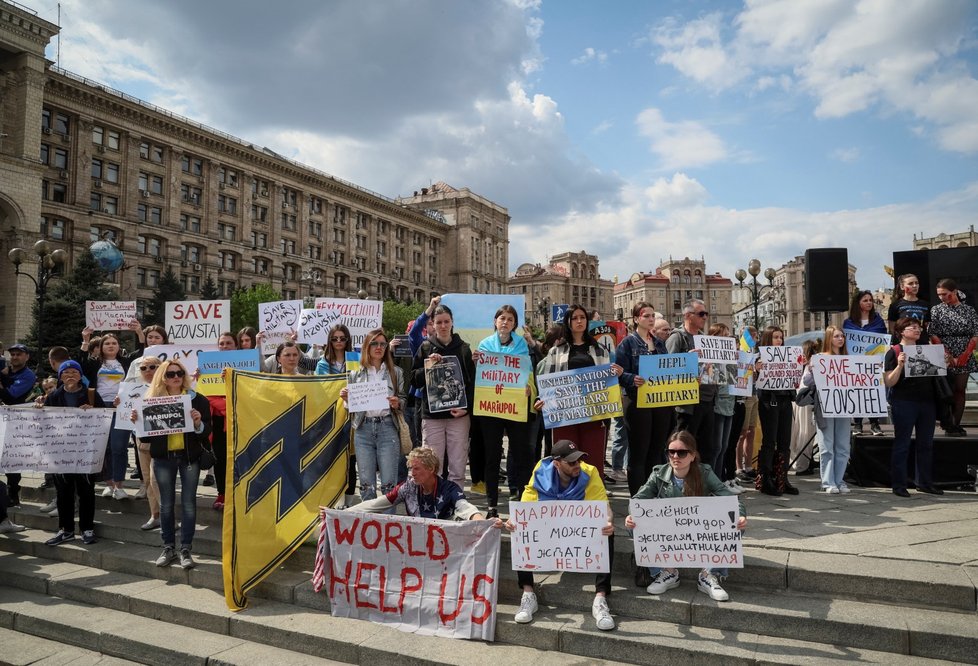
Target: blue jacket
627	356
876	324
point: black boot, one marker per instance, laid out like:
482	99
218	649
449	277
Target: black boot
766	482
781	465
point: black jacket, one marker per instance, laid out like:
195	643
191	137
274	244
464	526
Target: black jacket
455	347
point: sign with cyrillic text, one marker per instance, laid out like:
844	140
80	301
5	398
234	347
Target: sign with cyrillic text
670	379
687	532
559	536
849	385
54	440
579	396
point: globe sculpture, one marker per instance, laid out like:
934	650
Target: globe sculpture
108	256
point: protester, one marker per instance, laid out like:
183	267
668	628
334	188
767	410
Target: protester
955	325
774	409
247	338
73	394
16	383
147	366
577	349
376	440
698	418
219	435
906	303
745	445
685	476
446	433
178	453
914	414
333	362
834	440
863	317
519	456
7	526
287	356
563	476
647	428
723	415
803	431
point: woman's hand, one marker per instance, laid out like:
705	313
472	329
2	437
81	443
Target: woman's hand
85	406
394	402
617	370
639	380
629	522
133	416
87	333
538	405
902	358
344	392
115	403
608	529
510	527
435	358
742	522
458	413
39	401
195	415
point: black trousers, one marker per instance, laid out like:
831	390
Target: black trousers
520	453
699	424
602	581
219	442
648	430
68	486
775	417
13	489
4	501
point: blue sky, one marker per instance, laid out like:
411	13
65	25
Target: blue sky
633	130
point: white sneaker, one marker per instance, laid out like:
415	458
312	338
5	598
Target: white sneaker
141	493
53	514
120	494
528	606
619	475
108	491
710	586
844	489
50	506
7	527
150	524
831	490
602	614
733	487
663	581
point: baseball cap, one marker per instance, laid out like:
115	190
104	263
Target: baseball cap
565	449
19	347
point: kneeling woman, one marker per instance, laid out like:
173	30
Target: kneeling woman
685	476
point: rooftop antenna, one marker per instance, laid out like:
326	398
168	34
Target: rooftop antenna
59	34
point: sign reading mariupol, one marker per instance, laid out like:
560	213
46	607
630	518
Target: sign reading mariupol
670	379
579	396
686	532
781	368
559	536
850	385
500	385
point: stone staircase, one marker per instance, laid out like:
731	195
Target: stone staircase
109	600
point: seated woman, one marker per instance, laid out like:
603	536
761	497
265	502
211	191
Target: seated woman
685	476
425	494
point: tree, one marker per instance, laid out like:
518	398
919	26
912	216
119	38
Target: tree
244	304
208	290
168	290
397	315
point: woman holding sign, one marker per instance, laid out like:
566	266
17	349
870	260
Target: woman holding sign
914	413
956	326
333	361
685	476
834	442
377	441
863	317
774	411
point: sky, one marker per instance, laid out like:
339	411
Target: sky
633	130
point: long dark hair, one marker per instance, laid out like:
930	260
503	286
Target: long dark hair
329	345
251	333
568	337
855	312
505	308
767	337
693	483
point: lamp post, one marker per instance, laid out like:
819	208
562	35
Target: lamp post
314	278
47	265
755	289
543	308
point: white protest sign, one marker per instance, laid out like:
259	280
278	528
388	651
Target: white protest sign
54	440
109	315
866	342
359	316
849	385
925	361
430	577
744	385
781	368
687	532
367	396
276	321
164	415
559	536
716	349
197	321
129	394
314	325
186	354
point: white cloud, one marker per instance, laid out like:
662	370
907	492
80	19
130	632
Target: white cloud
845	154
696	49
678	192
590	54
602	127
681	144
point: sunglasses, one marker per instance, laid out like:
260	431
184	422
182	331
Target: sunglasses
378	343
338	339
173	374
144	368
704	313
678	453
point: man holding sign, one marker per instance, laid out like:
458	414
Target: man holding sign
563	476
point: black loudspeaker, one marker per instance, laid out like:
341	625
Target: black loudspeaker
827	279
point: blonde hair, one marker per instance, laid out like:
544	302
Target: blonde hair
827	341
426	457
365	351
157	387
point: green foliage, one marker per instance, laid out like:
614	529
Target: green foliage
397	315
169	289
208	290
244	304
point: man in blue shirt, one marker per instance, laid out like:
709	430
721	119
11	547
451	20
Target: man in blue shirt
16	382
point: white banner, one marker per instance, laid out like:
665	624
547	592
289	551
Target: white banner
925	361
781	368
314	325
129	395
54	440
716	349
163	415
866	342
109	315
367	396
197	321
276	322
687	532
430	577
559	536
360	316
850	385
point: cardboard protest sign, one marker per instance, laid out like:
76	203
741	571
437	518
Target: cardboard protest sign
782	368
445	384
579	396
670	379
212	364
716	349
849	385
129	393
54	440
276	321
367	396
687	532
744	385
360	316
109	315
472	314
866	342
925	361
559	536
163	415
430	577
197	321
315	324
608	334
185	353
500	386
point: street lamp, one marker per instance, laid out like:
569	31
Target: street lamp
47	264
543	308
314	278
755	289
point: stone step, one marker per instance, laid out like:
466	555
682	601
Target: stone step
270	623
23	649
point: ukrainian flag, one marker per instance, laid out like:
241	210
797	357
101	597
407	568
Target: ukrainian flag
287	455
746	341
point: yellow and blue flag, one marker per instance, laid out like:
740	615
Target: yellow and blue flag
747	341
287	456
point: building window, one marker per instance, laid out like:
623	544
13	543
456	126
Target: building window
227	231
288	222
259	213
361	242
56	192
289	197
362	284
227	205
288	246
190	253
381	248
190	223
340	213
339	281
315	206
150	152
190	194
98	233
191	283
315	252
148	278
260	266
54	228
149	245
315	229
192	165
227	260
54	122
225	288
111	173
289	272
150	214
259	188
259	239
339	236
227	177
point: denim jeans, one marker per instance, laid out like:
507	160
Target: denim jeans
912	416
165	470
378	447
721	440
619	444
835	445
118	452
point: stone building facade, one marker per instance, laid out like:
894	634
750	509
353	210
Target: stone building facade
570	277
672	284
942	240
